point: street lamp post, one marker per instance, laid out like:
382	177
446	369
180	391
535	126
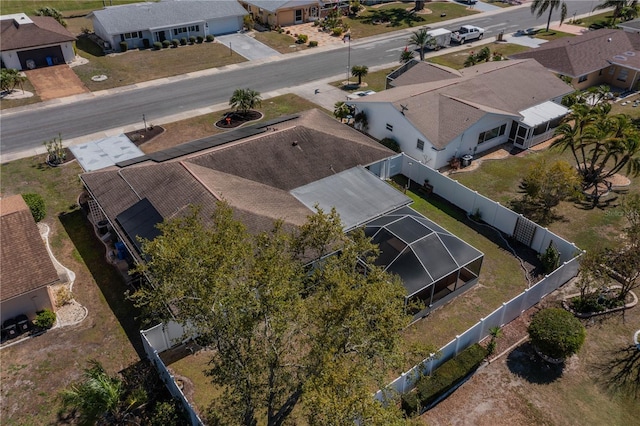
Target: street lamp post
348	37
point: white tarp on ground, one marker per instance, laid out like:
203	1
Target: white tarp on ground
105	152
542	113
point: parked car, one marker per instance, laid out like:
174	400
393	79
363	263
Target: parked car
360	94
467	33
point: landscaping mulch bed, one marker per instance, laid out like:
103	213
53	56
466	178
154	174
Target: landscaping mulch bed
138	137
233	120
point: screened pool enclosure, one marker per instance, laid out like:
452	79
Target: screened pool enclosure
434	265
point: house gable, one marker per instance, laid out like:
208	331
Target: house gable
19	31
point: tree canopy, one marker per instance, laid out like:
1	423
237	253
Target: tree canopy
244	100
283	330
52	12
556	333
539	7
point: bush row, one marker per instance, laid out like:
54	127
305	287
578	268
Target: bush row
178	42
430	388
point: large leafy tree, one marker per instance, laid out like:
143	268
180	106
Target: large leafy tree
52	12
556	333
359	71
282	331
244	100
421	39
601	144
539	7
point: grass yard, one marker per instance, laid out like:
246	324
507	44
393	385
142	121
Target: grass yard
282	42
68	7
552	35
600	20
456	59
11	103
376	80
136	66
34	371
201	126
395	16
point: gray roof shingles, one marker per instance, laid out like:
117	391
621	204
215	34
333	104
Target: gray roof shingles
144	16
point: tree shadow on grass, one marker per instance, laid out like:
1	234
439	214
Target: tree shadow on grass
391	17
524	362
108	279
620	371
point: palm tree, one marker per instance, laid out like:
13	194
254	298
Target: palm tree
359	71
421	39
406	55
10	78
98	398
539	7
244	100
341	110
620	8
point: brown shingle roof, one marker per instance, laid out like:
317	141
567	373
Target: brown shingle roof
26	265
586	53
425	72
43	31
441	110
254	175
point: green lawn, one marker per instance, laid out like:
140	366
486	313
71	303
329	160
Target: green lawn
395	16
65	6
456	59
552	35
601	20
374	81
11	103
282	42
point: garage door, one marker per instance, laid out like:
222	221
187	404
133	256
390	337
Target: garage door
224	26
39	57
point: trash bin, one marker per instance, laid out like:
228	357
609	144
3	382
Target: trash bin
466	160
120	250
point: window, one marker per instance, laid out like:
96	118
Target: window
194	28
177	31
582	78
492	134
129	36
420	145
623	74
389	127
612	70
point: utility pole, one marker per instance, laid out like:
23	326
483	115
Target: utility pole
348	39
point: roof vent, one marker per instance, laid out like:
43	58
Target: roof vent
294	143
630	53
620	57
609	39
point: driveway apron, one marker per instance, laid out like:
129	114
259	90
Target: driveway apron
247	46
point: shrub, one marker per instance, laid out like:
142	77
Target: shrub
430	388
313	43
175	42
556	333
210	38
303	38
166	43
337	31
157	45
45	319
183	41
192	39
200	39
391	144
123	46
63	296
36	205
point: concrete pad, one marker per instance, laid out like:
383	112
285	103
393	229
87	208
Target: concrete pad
524	40
55	82
247	46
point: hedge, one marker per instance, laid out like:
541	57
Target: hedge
183	41
35	202
124	46
209	38
175	42
157	45
200	39
430	388
166	43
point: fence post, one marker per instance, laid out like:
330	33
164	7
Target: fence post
504	310
482	325
457	345
430	364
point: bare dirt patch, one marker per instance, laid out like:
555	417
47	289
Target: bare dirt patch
55	82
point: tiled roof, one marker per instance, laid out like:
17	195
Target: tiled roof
144	16
254	176
586	53
43	30
26	265
442	110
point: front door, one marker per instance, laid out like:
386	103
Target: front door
160	36
522	137
298	16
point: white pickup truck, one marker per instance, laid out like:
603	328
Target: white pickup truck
467	33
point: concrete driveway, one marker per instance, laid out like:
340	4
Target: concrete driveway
247	46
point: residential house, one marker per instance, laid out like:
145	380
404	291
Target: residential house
33	42
142	24
290	12
632	26
280	171
606	56
27	271
467	111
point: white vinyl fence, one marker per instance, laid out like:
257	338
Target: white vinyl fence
499	217
158	339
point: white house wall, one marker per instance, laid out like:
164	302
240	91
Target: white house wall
103	34
10	59
224	25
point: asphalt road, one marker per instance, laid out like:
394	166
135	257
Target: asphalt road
25	129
